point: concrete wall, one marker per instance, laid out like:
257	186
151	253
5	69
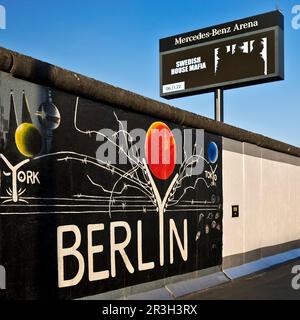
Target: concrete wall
260	174
89	204
265	184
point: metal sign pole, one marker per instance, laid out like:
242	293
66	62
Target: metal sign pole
219	105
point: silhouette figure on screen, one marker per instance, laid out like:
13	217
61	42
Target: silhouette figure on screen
256	59
223	64
241	60
241	65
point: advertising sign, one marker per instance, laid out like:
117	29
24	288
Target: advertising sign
231	55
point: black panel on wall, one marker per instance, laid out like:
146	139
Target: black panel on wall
87	207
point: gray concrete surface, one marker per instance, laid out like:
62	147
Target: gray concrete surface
273	284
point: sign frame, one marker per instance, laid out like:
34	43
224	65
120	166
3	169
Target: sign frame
278	73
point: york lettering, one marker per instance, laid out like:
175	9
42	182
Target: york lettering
28	177
211	176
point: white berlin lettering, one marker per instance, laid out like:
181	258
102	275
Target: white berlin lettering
117	248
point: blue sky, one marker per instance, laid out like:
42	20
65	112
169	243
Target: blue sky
117	41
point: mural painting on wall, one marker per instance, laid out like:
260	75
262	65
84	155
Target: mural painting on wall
95	198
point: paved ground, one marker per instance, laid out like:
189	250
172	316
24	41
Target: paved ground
272	284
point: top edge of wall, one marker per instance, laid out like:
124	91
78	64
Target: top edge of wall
42	73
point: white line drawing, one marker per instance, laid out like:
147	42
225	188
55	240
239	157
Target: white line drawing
138	177
147	198
14	192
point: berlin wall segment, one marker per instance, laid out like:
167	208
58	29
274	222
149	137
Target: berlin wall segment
86	187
